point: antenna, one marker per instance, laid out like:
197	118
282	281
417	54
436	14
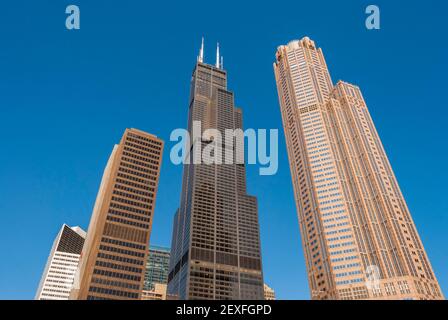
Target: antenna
217	55
201	52
222	62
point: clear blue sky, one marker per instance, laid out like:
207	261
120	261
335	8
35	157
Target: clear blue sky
67	96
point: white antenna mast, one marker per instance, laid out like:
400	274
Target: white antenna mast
217	55
201	52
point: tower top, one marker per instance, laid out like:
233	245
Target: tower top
219	59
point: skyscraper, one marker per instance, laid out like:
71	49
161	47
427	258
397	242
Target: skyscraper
116	248
359	239
156	276
59	273
215	252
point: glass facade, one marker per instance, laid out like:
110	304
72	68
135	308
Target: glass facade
156	267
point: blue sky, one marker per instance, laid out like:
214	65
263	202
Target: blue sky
67	96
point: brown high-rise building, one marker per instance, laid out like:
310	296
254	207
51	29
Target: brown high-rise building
114	256
359	239
216	250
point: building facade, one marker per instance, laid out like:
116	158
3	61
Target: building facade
216	243
157	292
116	248
359	239
156	276
269	293
59	273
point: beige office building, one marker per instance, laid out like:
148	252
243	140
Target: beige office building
114	257
358	236
269	293
158	292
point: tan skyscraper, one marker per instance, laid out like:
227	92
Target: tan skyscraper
357	233
113	260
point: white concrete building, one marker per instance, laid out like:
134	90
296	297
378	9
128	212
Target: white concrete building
59	273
